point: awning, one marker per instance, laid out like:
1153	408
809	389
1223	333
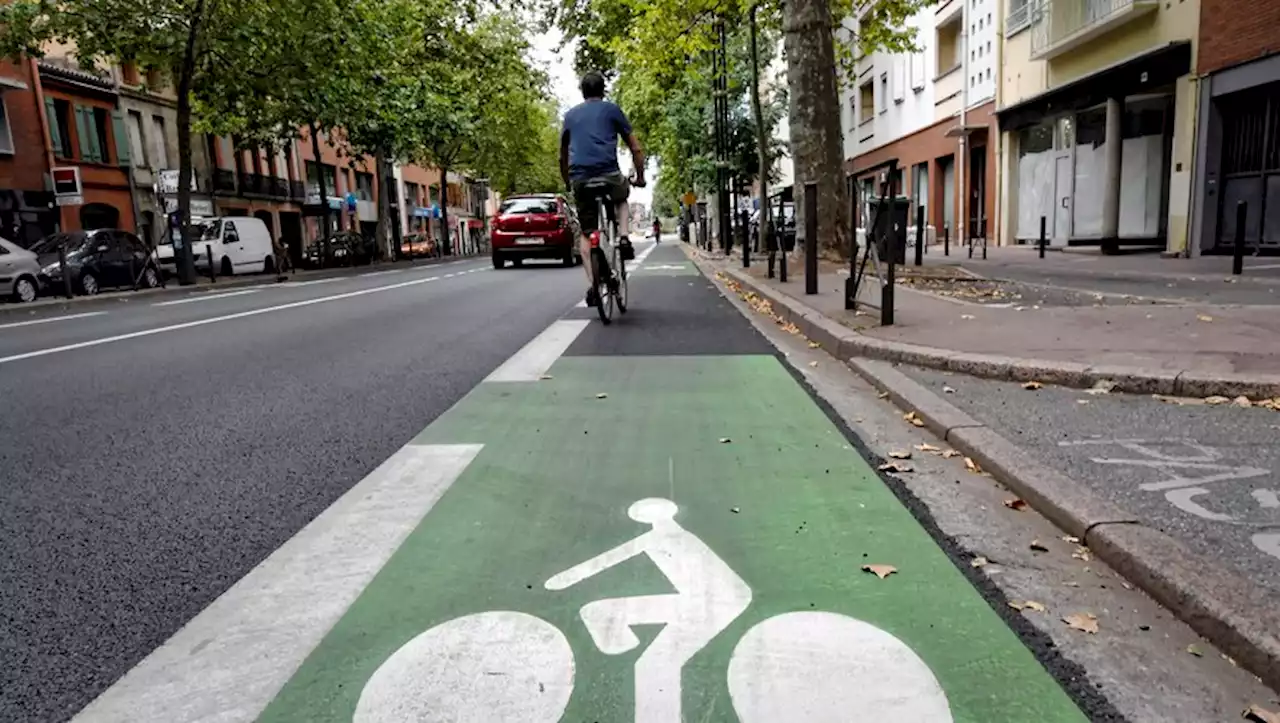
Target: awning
1138	74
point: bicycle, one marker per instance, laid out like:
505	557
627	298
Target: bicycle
800	667
611	289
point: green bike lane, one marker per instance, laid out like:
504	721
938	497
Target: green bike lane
734	519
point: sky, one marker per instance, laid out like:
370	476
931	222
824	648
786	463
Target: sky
564	84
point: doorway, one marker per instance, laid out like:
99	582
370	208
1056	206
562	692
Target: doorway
291	235
1063	175
948	190
976	198
94	216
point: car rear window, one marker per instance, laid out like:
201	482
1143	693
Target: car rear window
516	206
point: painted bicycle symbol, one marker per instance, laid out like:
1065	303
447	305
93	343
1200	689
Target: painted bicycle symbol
800	667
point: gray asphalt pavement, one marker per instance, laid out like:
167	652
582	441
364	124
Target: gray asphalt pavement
143	476
1207	475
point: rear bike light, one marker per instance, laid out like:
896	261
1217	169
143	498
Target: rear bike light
595	239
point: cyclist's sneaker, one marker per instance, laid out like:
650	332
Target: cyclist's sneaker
593	298
626	250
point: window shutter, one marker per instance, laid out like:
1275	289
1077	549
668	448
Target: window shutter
51	116
82	130
95	143
122	138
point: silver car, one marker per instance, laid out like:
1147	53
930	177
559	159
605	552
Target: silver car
18	271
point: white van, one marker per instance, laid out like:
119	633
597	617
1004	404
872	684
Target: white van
240	245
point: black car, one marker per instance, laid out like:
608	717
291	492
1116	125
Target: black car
96	260
344	249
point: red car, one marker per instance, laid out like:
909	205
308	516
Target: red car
535	226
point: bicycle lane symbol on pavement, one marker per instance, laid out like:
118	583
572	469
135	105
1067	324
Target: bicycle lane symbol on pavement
590	565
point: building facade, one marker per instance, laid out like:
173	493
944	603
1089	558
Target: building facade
931	112
27	210
1238	133
1097	115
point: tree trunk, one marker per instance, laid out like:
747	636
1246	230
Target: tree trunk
384	206
186	257
762	136
816	142
324	194
444	211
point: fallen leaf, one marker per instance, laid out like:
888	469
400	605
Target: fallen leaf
734	510
814	345
813	363
914	419
1084	622
1016	504
880	571
979	562
1016	605
966	316
1038	546
1102	386
1195	650
1033	385
950	453
602	395
1082	401
900	454
1242	402
1204	317
1038	607
972	466
545	377
725	440
1071	584
1071	538
882	395
948	390
926	447
896	467
1258	714
1216	400
1082	553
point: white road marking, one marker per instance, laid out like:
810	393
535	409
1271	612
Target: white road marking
313	282
228	662
1268	542
382	273
1184	499
1267	499
581	304
47	320
535	358
518	667
816	667
212	320
205	297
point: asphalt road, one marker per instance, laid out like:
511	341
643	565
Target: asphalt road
143	476
1146	456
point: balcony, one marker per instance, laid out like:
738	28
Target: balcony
224	181
1061	26
278	187
253	183
298	191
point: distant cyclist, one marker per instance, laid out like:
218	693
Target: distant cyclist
657	230
589	152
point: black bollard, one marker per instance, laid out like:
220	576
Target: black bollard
1042	240
1237	259
919	235
946	240
810	238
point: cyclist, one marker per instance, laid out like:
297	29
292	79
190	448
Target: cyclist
589	152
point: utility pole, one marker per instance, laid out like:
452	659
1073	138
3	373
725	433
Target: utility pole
722	124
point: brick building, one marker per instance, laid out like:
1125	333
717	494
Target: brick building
1238	139
27	211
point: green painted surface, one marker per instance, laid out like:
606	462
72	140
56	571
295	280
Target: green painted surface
669	267
551	487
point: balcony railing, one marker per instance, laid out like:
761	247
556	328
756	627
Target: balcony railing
278	187
1062	25
1019	17
298	190
224	181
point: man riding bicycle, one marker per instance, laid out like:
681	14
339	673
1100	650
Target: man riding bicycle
589	156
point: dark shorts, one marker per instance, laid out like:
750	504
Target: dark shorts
586	199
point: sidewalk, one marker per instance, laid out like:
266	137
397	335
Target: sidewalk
1072	338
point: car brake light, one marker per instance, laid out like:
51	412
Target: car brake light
595	239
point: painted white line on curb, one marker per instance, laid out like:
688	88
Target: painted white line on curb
212	320
33	322
313	282
381	273
231	660
533	361
205	297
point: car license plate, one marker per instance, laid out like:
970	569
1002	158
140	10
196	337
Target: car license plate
528	241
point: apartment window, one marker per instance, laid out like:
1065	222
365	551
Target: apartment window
6	135
60	126
917	71
866	102
433	194
137	140
948	46
364	186
330	179
882	98
160	142
1019	17
101	120
899	74
410	194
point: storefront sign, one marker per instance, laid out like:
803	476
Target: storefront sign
167	182
66	186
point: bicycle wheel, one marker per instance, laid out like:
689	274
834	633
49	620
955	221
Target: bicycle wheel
622	282
600	272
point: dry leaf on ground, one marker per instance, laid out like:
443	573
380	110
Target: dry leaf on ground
880	571
882	395
725	440
1038	546
545	377
1082	553
1258	714
948	390
950	453
1071	538
1084	622
914	419
1033	605
926	447
900	454
602	395
1195	650
1102	386
1033	385
1082	401
1216	400
814	345
813	363
966	316
979	562
972	466
1016	504
1242	402
896	467
1204	317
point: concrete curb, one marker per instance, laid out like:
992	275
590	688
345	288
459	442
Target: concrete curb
113	298
1235	614
1133	380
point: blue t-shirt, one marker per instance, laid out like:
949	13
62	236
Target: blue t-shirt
594	128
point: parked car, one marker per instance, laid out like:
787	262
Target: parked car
537	226
96	260
239	245
19	272
346	248
417	245
788	224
